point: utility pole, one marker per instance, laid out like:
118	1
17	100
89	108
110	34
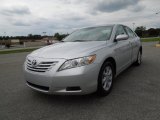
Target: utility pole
133	26
159	33
157	13
4	39
2	43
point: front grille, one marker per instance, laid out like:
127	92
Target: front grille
40	67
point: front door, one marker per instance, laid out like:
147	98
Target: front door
123	51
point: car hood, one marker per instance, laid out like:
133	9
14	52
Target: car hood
68	50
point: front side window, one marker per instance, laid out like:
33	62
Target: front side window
120	31
130	32
101	33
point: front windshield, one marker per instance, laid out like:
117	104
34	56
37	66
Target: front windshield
101	33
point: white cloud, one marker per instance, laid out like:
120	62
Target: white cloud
21	17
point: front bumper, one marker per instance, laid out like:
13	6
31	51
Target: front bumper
75	81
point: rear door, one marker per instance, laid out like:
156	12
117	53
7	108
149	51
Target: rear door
132	38
123	50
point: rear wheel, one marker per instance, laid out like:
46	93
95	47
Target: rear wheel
105	79
139	58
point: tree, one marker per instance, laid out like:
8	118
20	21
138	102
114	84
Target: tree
57	35
153	32
60	36
140	30
29	35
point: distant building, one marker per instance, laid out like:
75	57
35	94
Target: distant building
14	41
49	40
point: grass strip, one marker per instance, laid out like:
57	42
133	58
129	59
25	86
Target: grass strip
17	50
150	39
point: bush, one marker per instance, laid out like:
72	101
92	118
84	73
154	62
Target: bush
21	42
7	45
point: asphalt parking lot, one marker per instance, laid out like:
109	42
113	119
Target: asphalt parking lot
135	95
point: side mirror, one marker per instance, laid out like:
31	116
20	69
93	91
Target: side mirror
122	37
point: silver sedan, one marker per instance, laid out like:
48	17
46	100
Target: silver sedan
84	62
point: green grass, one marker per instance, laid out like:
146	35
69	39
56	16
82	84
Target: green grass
150	39
17	50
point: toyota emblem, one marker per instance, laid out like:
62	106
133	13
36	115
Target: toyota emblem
34	63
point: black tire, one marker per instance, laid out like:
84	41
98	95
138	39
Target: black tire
101	91
139	58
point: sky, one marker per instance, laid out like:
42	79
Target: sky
23	17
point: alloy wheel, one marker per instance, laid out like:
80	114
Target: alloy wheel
107	77
139	57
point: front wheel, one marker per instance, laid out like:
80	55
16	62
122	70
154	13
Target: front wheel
105	79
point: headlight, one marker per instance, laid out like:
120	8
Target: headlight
77	62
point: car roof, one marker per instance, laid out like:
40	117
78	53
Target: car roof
100	26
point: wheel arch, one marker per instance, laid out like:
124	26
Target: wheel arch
112	60
100	90
140	49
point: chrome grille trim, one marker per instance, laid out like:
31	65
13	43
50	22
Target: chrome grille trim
40	67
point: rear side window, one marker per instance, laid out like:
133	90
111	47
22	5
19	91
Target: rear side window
130	32
120	31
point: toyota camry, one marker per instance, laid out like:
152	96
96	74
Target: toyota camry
86	61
